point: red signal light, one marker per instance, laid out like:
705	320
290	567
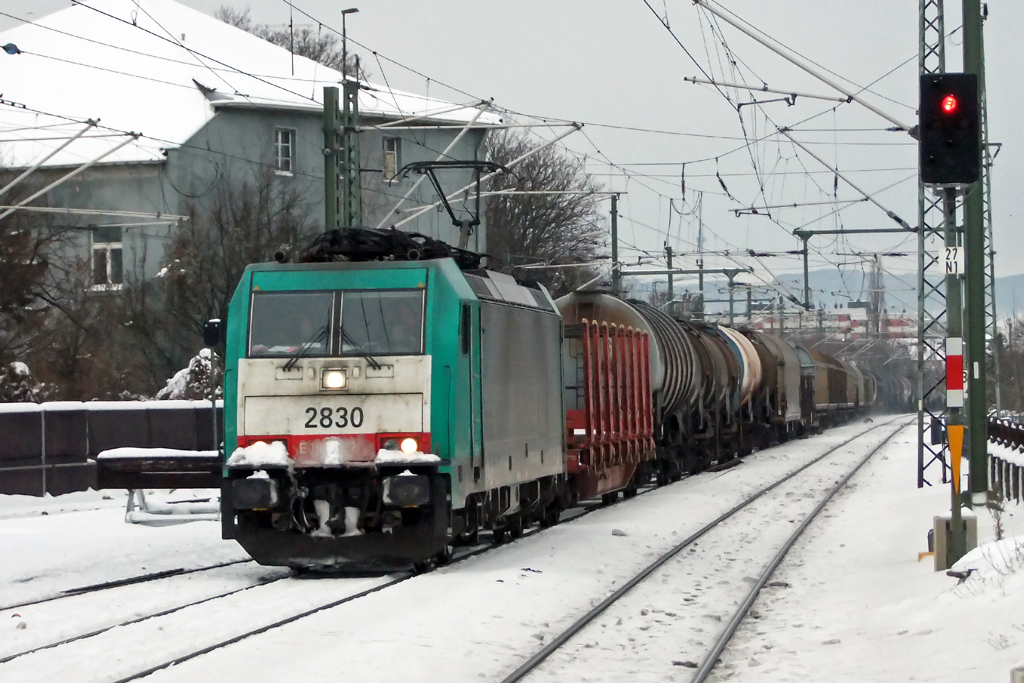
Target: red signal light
949	104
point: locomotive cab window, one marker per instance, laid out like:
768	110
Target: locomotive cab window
282	323
385	322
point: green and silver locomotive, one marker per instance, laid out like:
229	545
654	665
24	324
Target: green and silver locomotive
377	412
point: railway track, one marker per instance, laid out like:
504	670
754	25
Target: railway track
285	602
704	668
149	621
118	583
461	555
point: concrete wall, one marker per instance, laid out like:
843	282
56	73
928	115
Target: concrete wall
52	447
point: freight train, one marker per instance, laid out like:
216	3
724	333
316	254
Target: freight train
385	403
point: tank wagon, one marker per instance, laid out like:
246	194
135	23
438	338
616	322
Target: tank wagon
719	392
382	408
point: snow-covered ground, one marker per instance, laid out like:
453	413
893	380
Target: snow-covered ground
858	605
80	539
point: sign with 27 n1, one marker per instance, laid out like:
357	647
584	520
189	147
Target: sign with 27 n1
954	261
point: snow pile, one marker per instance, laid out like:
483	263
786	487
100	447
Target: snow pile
386	457
260	454
153	453
1006	453
192	382
18	386
323	514
990	564
352	522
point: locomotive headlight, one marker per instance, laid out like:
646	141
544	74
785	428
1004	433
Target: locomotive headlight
409	446
333	379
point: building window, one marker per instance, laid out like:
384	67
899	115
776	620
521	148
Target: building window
107	264
284	150
392	157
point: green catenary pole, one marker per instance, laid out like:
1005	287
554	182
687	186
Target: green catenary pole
352	188
974	267
330	158
957	547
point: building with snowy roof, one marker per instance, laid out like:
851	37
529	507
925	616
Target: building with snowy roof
143	112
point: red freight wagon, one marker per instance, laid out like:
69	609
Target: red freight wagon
609	408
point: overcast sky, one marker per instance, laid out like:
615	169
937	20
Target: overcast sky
614	63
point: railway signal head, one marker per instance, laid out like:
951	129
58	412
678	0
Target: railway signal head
949	128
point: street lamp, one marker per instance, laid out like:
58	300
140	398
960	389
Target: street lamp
344	43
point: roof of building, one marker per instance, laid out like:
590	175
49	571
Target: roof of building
143	66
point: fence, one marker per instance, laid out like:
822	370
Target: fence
1006	477
51	447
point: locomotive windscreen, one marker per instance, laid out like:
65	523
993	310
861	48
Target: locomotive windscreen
388	322
378	322
283	322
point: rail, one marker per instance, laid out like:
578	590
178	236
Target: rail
558	641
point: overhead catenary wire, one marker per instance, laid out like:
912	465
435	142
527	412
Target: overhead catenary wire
196	53
621	168
755	166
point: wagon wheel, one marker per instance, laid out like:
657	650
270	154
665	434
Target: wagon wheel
445	556
515	527
551	516
427	565
609	498
471	532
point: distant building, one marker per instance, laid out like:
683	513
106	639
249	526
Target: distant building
214	104
847	323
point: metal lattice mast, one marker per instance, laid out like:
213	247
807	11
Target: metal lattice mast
351	181
931	298
994	397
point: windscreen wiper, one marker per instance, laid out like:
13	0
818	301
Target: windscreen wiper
319	336
347	338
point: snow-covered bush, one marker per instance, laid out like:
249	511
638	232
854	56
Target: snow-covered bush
17	385
193	382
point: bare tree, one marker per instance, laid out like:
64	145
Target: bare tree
1010	349
34	254
559	229
107	343
318	45
245	221
92	349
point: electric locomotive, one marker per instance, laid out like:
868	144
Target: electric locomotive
377	411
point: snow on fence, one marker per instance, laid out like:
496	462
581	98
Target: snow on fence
1006	470
52	447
